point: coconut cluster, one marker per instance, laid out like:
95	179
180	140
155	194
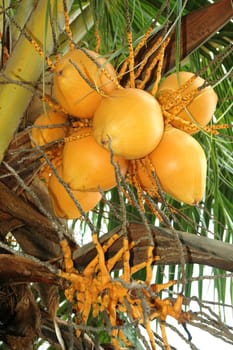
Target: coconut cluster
115	126
179	160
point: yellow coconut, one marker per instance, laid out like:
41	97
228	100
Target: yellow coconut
63	204
79	79
203	106
131	119
180	164
50	132
87	166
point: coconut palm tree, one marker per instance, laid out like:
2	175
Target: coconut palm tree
107	308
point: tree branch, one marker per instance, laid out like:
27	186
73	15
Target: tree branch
196	249
18	269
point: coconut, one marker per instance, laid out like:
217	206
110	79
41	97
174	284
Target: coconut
63	204
129	121
87	166
81	77
180	165
50	132
201	109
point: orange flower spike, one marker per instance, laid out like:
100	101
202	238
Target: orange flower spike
78	333
105	300
143	264
162	307
41	54
114	340
154	211
148	264
187	96
136	309
146	57
164	336
81	301
53	105
131	60
69	294
160	66
142	84
180	123
156	288
110	242
157	59
137	49
69	265
143	41
124	339
100	253
136	183
75	279
126	257
112	308
213	129
130	47
67	26
150	334
87	307
169	308
89	270
112	262
174	98
175	310
97	37
97	307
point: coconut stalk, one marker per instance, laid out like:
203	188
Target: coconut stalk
24	68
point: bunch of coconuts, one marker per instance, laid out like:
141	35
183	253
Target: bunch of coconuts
125	124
